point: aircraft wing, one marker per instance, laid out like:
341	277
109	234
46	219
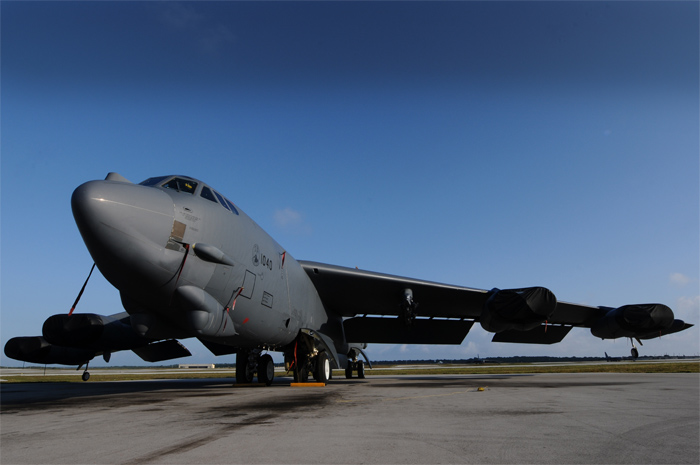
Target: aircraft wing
350	292
76	339
444	313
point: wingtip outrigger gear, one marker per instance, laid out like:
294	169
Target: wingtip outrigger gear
634	352
86	374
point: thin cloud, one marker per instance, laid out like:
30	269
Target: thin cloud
180	16
216	38
291	221
679	279
210	36
688	307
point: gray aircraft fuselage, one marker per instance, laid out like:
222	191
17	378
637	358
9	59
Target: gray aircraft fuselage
137	236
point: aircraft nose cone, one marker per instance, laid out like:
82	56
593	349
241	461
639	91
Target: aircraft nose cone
125	226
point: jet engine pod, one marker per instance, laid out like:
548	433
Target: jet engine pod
36	349
635	321
519	309
203	313
99	332
73	330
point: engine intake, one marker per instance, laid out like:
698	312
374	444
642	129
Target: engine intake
518	309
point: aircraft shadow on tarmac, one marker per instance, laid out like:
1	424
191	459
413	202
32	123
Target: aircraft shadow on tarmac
22	396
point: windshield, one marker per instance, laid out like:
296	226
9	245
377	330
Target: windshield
154	181
181	185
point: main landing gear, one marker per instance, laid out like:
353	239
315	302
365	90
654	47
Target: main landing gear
250	363
304	359
355	365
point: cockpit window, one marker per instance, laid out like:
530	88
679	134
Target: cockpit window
221	199
207	194
181	185
230	204
154	181
189	186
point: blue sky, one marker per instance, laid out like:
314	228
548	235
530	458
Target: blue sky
482	144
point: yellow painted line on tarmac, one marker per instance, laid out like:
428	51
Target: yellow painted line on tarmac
308	385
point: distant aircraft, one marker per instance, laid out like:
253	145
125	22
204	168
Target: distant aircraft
612	359
189	263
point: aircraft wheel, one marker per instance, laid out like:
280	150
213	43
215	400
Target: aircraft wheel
301	375
86	376
266	370
348	371
322	370
635	352
361	369
243	373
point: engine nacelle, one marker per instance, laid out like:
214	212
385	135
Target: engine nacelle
88	330
640	321
36	349
519	309
203	314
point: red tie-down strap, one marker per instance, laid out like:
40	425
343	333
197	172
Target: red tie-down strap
232	306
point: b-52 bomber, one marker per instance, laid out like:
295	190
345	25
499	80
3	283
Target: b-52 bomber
189	263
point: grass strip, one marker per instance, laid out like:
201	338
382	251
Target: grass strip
671	367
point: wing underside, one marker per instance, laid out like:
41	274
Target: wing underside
374	307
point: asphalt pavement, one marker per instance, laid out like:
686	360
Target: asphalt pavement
542	418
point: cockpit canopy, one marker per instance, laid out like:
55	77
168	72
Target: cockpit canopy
191	186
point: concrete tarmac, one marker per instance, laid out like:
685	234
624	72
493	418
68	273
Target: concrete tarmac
543	418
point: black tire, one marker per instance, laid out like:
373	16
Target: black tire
266	370
635	352
301	374
86	376
348	371
322	368
243	374
361	369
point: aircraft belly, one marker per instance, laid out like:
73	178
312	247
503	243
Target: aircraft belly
260	325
